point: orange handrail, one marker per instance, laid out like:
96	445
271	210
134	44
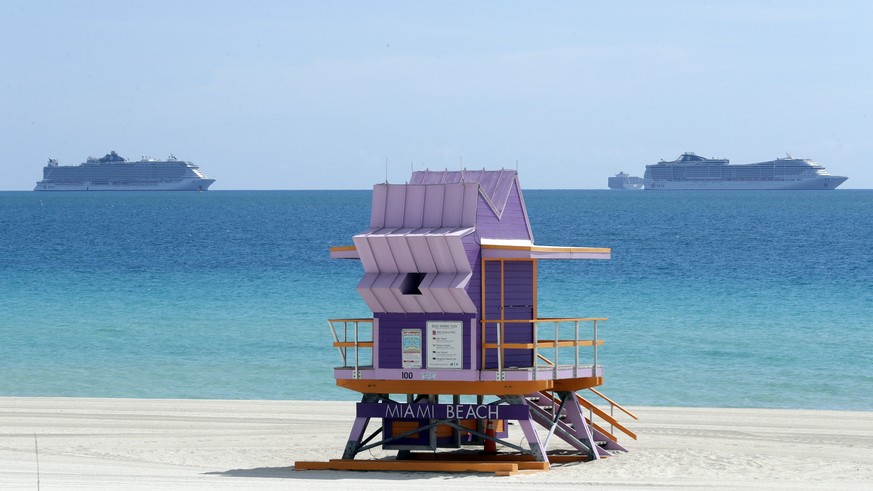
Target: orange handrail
606	417
613	403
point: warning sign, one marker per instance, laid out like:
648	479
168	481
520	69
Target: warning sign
411	348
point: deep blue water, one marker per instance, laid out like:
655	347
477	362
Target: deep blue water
738	299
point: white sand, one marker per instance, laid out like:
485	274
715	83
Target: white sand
188	444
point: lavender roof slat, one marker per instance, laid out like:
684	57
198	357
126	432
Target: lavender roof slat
425	289
395	206
364	289
380	199
384	280
434	201
440	290
468	213
442	255
385	261
458	254
414	213
502	189
426	299
453	206
472	176
459	283
424	177
382	290
495	185
421	254
487	180
399	246
368	260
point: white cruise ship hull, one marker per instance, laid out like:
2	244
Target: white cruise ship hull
822	182
174	185
628	187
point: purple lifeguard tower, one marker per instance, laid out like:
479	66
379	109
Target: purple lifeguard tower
456	349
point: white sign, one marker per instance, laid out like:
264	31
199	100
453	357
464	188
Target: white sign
445	346
411	339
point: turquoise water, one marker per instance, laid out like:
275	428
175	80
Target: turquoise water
737	299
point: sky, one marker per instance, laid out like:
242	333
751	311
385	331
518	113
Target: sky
344	94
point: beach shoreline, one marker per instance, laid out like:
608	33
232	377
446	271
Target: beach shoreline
82	443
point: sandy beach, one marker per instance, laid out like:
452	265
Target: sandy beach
72	443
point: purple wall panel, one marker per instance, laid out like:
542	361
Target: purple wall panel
517	304
390	327
511	225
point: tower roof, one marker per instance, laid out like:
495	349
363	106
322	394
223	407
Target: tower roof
496	185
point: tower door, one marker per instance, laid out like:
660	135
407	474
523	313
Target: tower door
509	299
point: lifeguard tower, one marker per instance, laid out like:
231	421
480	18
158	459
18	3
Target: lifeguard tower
456	352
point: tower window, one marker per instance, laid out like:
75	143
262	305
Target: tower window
411	282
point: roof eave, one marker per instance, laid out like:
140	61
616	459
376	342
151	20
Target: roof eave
499	251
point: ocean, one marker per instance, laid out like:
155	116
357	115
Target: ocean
728	299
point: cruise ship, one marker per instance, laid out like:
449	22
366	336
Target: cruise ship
113	172
625	182
691	171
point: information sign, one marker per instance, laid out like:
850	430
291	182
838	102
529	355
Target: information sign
445	346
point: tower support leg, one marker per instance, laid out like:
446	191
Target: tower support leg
576	417
530	433
358	429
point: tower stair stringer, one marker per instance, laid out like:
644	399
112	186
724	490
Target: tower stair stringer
562	414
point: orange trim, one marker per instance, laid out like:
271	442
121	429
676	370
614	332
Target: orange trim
352	344
574	384
533	248
510	259
502	314
545	319
541	357
502	387
482	317
562	343
342	248
498	468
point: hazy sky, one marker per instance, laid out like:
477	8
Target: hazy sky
317	95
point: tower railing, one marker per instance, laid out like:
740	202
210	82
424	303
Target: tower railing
543	346
353	342
556	346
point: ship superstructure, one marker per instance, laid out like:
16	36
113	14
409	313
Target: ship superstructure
624	181
691	171
113	172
